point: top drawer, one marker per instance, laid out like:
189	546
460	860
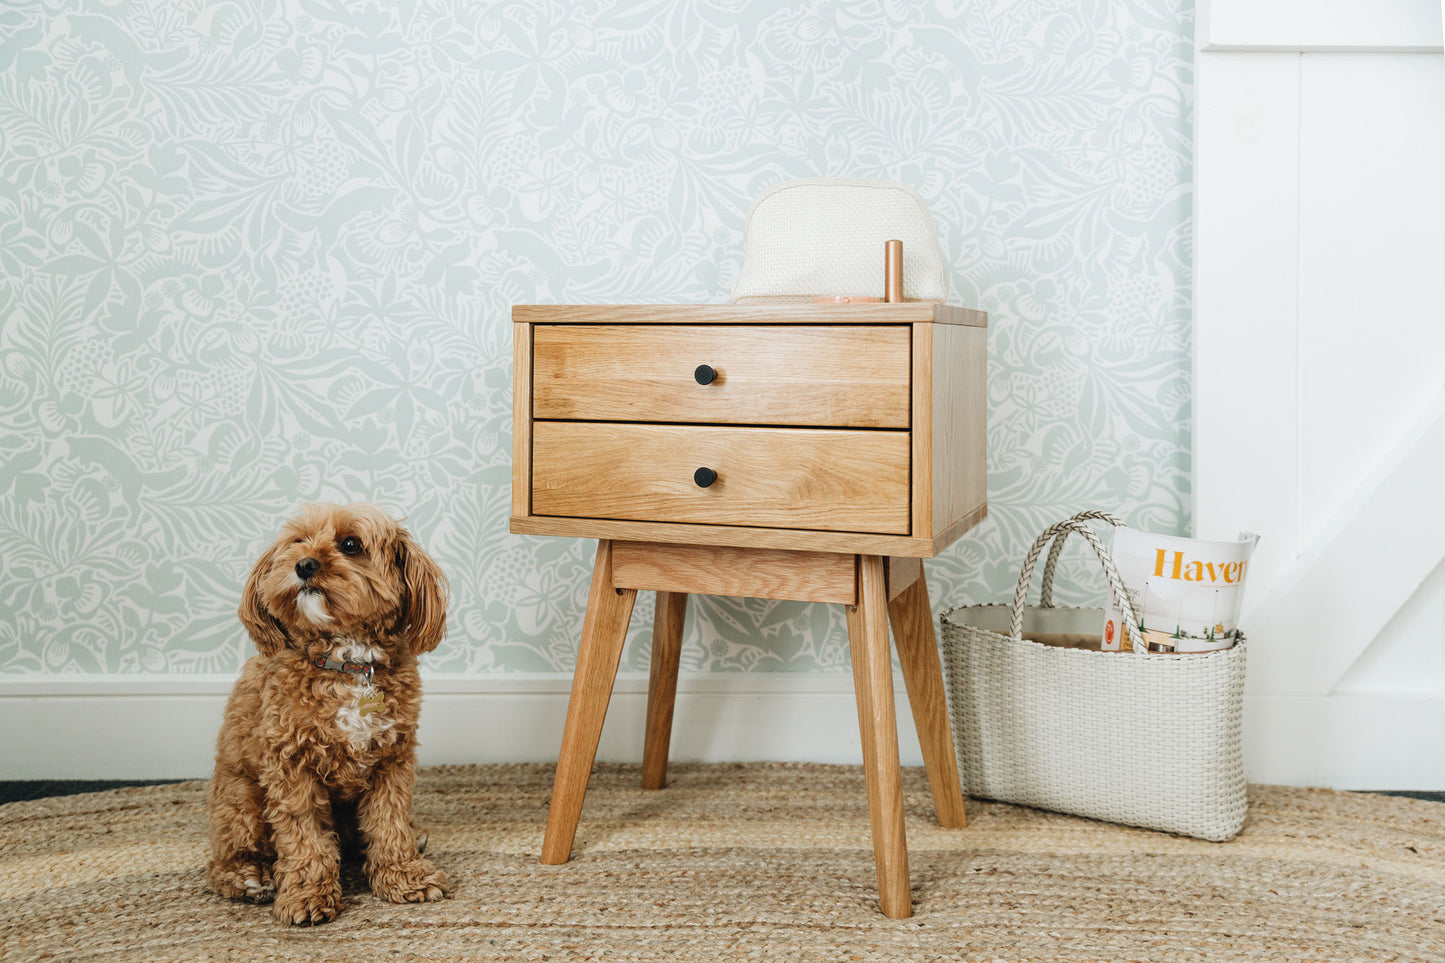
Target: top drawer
851	376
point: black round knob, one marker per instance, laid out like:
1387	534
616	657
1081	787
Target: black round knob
704	477
705	375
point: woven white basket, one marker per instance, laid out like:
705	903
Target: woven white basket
825	236
1144	739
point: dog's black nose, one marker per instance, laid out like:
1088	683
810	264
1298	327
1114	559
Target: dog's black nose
307	567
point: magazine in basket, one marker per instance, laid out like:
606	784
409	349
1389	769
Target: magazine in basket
1186	592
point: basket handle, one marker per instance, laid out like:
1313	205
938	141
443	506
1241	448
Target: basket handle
1046	588
1116	584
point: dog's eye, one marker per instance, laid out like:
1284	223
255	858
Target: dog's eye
351	545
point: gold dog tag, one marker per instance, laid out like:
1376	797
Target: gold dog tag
371	702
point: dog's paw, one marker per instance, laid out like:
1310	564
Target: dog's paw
419	831
249	881
309	906
260	888
414	881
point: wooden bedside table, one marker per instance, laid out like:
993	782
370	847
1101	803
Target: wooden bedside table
811	452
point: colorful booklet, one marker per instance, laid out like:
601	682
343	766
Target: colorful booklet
1186	592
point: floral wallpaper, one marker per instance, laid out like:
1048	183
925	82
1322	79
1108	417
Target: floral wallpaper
259	253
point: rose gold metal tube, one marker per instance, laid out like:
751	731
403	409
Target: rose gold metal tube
893	271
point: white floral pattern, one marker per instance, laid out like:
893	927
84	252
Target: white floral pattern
259	252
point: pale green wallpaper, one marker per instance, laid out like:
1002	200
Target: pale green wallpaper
253	254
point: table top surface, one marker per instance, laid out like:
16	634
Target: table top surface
902	312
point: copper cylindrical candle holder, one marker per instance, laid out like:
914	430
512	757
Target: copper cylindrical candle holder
893	271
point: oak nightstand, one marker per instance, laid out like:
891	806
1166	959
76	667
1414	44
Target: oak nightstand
811	452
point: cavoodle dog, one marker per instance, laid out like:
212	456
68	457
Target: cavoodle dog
318	748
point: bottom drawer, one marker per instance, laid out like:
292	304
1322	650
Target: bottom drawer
807	478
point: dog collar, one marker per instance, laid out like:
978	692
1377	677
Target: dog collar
352	668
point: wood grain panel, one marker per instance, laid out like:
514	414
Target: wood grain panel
912	619
959	409
954	532
743	536
901	572
745	572
604	631
878	726
828	376
667	630
921	435
905	312
854	481
521	419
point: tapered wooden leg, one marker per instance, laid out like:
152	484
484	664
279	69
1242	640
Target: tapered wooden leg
873	684
913	633
662	686
604	630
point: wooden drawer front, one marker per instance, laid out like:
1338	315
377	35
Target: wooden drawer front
847	481
839	377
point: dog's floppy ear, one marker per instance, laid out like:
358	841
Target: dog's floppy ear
424	596
264	630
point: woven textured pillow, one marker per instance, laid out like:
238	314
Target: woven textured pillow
825	236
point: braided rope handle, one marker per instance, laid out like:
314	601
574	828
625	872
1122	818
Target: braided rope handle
1116	584
1046	589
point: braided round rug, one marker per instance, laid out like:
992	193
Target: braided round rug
748	862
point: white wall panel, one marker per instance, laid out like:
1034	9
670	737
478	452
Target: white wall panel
1247	294
1399	25
1371	246
1319	383
93	723
1409	655
1345	741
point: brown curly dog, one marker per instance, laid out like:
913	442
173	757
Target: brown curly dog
318	747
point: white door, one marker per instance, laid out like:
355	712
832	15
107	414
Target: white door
1320	375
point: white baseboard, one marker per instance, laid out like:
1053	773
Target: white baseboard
1386	740
165	727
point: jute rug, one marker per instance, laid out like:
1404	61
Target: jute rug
749	862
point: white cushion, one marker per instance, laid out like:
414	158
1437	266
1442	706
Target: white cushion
825	236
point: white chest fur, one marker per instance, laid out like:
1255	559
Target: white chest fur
362	731
362	727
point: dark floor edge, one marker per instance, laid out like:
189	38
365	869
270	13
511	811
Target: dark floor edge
23	789
1413	794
